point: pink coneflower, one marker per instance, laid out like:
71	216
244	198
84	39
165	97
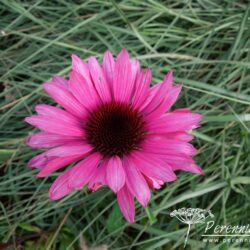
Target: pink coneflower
116	128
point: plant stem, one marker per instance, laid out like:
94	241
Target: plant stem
189	227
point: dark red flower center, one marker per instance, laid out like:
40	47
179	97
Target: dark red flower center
115	129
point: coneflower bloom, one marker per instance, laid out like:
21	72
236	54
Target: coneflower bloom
117	130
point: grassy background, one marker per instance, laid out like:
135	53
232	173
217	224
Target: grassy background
207	44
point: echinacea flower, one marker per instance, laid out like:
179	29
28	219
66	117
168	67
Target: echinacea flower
115	128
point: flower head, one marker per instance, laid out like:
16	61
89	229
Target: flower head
115	128
191	215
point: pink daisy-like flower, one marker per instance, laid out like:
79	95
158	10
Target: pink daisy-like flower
116	128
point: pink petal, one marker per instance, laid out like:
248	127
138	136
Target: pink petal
171	97
193	168
136	182
157	94
94	186
100	82
183	136
164	146
152	166
60	186
60	81
83	92
183	163
142	85
182	110
123	85
81	67
126	204
73	153
53	126
52	112
99	178
115	174
46	140
152	93
153	183
84	171
80	148
174	122
167	102
135	70
57	163
66	100
108	66
41	160
38	161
